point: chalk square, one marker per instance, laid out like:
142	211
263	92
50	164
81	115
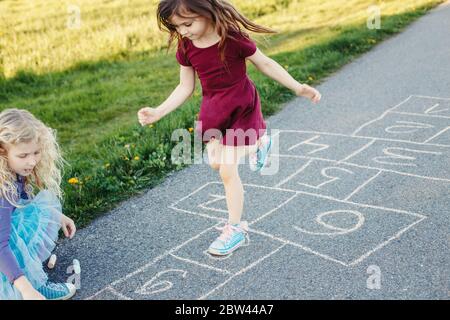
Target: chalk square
405	127
409	158
336	180
339	231
209	201
418	194
258	247
170	278
318	144
432	106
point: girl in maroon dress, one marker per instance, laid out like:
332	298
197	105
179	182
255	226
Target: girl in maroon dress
212	44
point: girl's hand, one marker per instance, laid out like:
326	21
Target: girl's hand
308	92
32	294
148	115
68	226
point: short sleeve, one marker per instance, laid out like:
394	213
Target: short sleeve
182	58
247	46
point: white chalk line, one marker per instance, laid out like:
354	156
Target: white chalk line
295	173
241	272
420	114
273	210
357	151
207	266
396	236
436	135
112	291
362	185
204	215
422	96
190	194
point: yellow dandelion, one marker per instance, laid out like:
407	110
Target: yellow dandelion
191	129
136	158
73	181
127	146
151	126
310	78
107	165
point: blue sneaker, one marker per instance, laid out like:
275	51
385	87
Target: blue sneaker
232	237
259	159
57	291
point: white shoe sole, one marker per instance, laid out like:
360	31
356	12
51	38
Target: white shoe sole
72	291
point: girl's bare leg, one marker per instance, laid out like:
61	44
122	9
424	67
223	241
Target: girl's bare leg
229	172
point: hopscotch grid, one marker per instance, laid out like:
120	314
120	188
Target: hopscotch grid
284	241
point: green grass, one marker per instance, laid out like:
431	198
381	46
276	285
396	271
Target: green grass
88	83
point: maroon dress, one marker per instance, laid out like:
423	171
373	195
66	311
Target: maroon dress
230	100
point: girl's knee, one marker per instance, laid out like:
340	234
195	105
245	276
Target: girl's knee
215	165
228	172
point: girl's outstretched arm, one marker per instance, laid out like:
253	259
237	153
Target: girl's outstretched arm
272	69
182	92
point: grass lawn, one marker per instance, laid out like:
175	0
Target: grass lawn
88	80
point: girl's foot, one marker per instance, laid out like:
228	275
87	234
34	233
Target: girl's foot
57	291
258	160
233	236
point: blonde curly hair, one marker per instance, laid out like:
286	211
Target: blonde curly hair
20	126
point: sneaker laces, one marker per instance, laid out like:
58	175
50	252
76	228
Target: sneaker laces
228	230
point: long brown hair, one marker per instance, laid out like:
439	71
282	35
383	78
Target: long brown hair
221	13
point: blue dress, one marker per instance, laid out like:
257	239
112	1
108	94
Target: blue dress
33	232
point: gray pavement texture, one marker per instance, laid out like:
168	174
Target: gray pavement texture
358	207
